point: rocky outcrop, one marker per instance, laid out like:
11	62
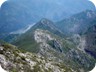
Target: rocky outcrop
47	43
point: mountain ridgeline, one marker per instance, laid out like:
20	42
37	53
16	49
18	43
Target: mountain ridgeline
27	39
78	23
31	11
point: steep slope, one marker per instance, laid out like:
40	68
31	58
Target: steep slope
27	39
91	41
14	60
12	35
46	40
78	23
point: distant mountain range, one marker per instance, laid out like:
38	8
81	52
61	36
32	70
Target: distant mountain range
78	23
16	14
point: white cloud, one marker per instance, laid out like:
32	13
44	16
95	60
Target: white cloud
94	2
1	2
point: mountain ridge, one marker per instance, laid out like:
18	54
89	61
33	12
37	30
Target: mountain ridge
78	23
12	11
42	39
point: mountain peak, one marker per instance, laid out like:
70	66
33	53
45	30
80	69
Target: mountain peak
46	21
44	24
47	24
88	14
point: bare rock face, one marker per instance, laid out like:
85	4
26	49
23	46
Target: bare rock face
47	43
41	36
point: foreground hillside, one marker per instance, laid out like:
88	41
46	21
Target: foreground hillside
14	60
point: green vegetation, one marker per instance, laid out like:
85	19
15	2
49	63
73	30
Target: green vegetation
26	42
18	61
67	45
